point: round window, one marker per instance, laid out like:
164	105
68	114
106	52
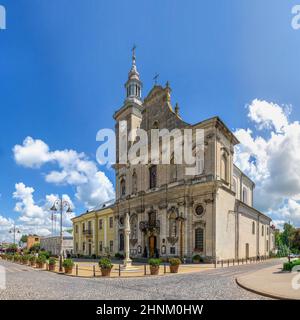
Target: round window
199	210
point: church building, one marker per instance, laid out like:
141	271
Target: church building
210	214
159	210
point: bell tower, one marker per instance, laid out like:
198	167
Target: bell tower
129	116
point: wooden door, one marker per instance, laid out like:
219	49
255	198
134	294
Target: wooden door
152	244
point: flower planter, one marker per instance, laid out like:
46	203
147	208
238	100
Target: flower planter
174	269
32	263
40	265
154	270
51	267
105	272
68	270
196	261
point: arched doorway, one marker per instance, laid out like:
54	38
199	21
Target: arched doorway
152	246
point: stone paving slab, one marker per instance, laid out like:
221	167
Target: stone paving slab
271	282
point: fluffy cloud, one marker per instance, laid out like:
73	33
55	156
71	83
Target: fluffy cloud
92	185
35	218
5	226
270	156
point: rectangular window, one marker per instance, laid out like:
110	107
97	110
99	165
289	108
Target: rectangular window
90	225
111	246
76	228
76	246
83	246
83	227
172	250
111	222
199	239
100	246
262	230
100	224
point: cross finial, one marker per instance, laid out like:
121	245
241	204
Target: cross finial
133	50
155	78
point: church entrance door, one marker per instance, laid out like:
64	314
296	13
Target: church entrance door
152	246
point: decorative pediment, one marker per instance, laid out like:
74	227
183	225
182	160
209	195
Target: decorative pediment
172	240
133	242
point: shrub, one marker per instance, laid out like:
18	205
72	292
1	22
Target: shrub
197	258
174	261
32	258
105	263
288	266
45	253
118	255
41	259
154	262
68	263
52	261
25	258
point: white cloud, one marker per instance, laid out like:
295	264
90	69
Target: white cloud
35	218
5	226
268	115
272	159
32	154
92	185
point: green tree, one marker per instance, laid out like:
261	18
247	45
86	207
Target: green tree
288	234
24	238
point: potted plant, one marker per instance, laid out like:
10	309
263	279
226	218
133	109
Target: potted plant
174	264
51	264
197	258
105	266
154	266
25	259
32	260
40	261
68	265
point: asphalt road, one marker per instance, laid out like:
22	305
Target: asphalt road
23	282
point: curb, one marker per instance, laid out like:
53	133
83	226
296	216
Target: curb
263	293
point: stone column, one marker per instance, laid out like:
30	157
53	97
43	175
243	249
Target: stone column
127	260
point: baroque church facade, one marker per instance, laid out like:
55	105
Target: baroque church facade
170	213
174	214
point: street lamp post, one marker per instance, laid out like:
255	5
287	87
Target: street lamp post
59	205
14	230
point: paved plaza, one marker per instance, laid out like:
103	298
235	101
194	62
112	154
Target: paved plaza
24	282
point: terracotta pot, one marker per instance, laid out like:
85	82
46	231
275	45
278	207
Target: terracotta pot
40	265
68	270
51	267
105	272
32	263
174	269
154	270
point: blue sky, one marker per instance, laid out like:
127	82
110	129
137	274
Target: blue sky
63	65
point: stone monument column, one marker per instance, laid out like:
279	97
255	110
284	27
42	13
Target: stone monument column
127	260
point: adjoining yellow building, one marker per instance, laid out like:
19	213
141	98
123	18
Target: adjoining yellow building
32	240
94	233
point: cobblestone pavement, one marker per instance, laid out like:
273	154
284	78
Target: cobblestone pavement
26	283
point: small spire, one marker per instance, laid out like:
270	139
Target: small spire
167	84
177	108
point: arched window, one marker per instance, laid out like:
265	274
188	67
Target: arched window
153	176
199	239
253	227
224	173
134	183
245	195
123	187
